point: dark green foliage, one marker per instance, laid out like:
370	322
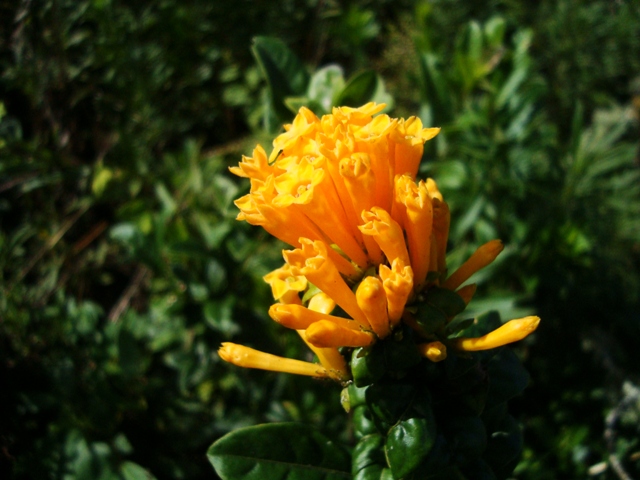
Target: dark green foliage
122	268
438	418
282	450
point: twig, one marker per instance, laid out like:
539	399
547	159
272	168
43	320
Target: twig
631	395
94	233
125	299
53	240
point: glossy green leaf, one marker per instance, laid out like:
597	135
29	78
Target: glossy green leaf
372	472
285	74
362	423
388	401
367	365
277	451
408	443
367	452
386	474
352	397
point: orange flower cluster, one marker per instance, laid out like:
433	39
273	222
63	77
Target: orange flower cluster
341	190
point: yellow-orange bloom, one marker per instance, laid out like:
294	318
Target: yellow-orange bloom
434	351
510	332
312	262
386	232
398	283
327	334
372	300
249	358
483	256
366	236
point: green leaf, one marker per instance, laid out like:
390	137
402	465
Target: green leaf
485	323
285	74
362	423
367	365
359	90
494	30
430	318
446	300
459	325
296	103
466	435
368	451
507	377
218	314
352	397
133	471
388	401
504	448
372	472
277	451
325	86
435	90
408	443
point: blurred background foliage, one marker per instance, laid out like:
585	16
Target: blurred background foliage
122	268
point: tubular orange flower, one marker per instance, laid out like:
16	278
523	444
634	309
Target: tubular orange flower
398	283
483	256
249	358
342	191
312	262
360	183
301	318
327	334
322	303
324	208
510	332
418	215
372	300
409	138
330	358
386	232
441	220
